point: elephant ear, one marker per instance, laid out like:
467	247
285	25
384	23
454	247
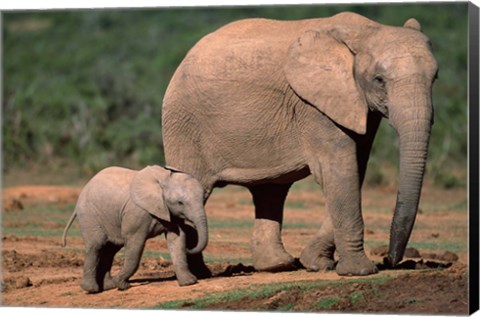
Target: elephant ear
319	68
146	191
413	24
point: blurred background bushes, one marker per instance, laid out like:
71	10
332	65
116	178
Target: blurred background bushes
83	89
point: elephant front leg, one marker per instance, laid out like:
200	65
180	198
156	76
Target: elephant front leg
268	251
177	248
133	253
343	203
196	262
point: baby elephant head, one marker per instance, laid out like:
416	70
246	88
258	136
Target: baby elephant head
164	194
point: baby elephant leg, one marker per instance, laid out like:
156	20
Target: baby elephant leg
90	267
133	252
177	248
106	261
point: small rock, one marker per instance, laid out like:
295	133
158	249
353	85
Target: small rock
23	282
411	253
435	235
449	257
431	256
380	251
12	204
369	231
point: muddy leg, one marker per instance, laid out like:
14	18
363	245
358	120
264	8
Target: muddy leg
268	251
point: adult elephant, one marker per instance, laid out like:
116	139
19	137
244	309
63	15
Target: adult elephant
264	103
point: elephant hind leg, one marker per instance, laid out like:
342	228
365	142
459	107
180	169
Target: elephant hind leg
90	267
318	254
268	251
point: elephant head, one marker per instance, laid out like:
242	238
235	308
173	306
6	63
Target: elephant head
164	193
368	67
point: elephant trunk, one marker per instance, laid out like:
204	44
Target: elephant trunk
199	220
413	125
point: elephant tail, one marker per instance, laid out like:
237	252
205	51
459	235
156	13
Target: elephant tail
64	237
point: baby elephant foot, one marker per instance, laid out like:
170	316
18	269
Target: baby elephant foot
90	287
185	279
109	283
122	285
356	266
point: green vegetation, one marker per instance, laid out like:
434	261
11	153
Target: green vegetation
243	224
39	220
263	291
327	303
85	88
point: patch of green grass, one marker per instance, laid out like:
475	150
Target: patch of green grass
150	254
356	298
243	224
262	291
295	204
327	303
66	294
227	259
442	206
32	232
440	245
300	225
411	301
229	223
42	220
287	307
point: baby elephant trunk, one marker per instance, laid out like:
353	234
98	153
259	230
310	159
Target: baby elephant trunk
199	219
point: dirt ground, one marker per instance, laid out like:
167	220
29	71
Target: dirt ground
38	272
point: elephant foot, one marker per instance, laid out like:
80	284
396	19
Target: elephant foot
267	248
317	256
356	265
186	278
90	286
320	263
122	285
274	264
109	283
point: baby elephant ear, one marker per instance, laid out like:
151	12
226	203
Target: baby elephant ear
146	191
413	24
319	68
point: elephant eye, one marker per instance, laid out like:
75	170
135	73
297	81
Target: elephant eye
379	80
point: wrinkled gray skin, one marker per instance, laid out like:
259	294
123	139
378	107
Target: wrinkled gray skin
264	103
122	207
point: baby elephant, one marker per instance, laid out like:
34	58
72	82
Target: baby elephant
122	207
